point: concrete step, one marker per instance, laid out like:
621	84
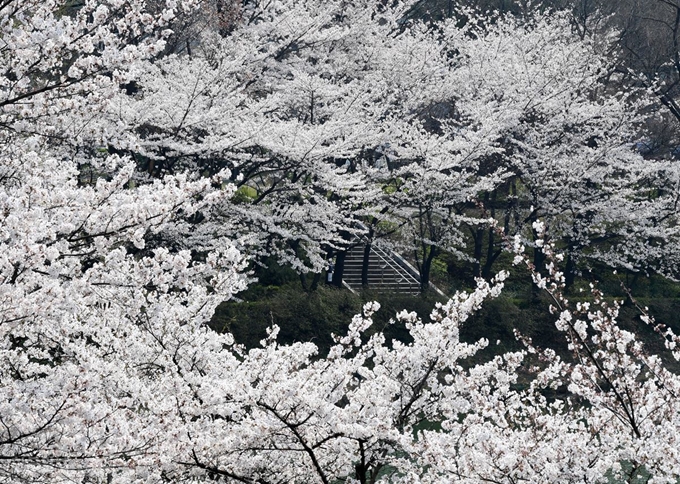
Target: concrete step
384	272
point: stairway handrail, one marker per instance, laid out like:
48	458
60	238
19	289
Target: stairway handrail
405	265
393	264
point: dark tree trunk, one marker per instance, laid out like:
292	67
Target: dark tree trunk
339	269
539	258
478	239
364	264
569	272
303	282
310	284
425	269
515	203
367	256
490	256
315	282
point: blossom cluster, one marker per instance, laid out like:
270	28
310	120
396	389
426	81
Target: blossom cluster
137	182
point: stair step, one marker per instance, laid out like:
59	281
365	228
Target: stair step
384	272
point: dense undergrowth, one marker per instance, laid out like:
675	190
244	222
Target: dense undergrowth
278	298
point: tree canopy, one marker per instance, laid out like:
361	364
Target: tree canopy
151	150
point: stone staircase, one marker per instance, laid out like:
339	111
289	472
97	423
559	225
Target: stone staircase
386	271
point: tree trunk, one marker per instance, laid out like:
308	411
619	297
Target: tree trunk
569	271
339	269
303	282
515	203
490	257
364	264
367	255
425	269
478	239
315	281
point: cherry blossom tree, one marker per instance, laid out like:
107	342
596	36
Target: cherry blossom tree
565	140
90	319
108	276
85	299
109	375
511	122
282	101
